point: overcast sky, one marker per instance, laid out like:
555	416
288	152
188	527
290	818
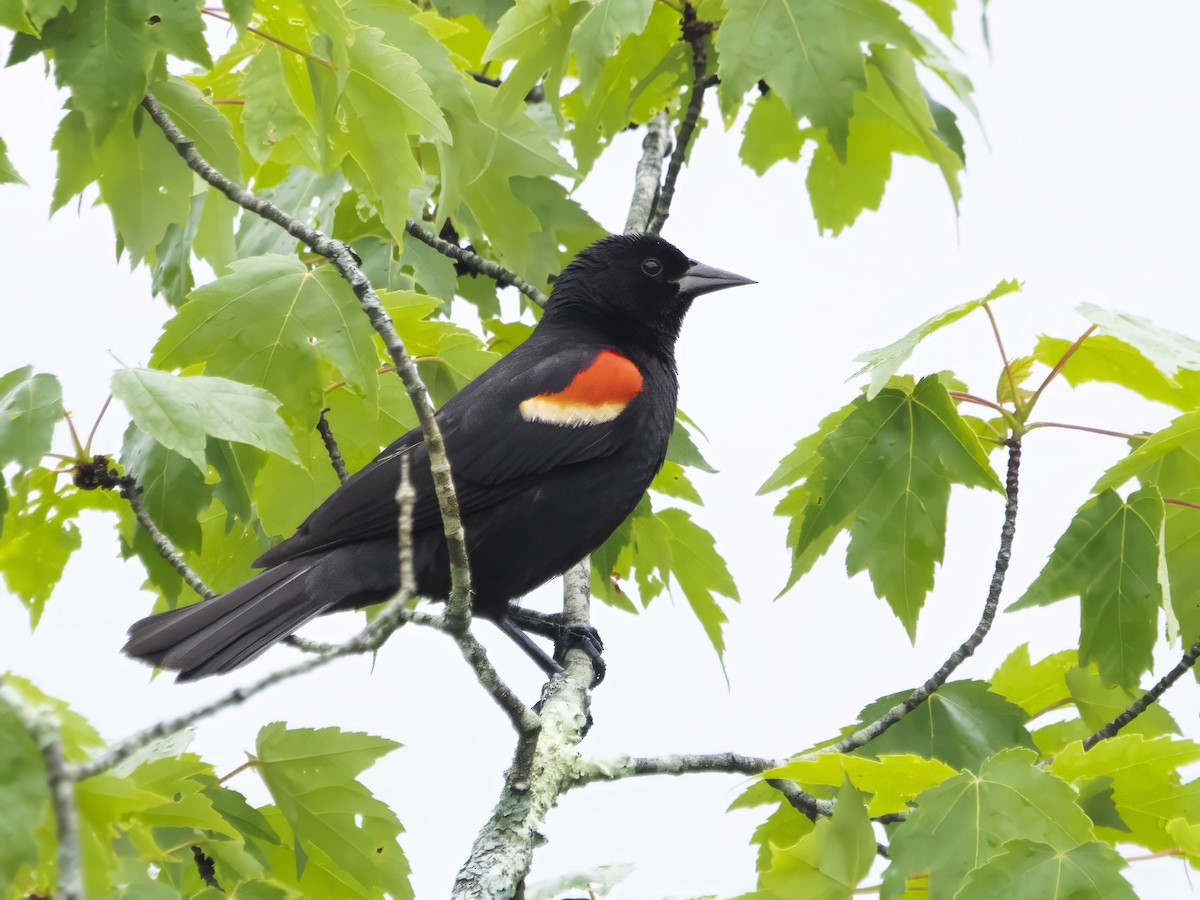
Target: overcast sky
1087	191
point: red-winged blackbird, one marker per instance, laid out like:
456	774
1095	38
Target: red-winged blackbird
551	448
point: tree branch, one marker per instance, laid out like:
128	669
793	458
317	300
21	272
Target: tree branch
591	770
475	262
694	32
458	608
546	762
648	175
968	647
43	727
331	447
99	474
1143	702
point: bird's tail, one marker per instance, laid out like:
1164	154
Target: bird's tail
220	634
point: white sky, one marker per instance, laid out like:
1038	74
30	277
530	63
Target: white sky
1088	192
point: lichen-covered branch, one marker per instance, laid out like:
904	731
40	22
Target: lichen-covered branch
1007	531
695	31
648	175
475	262
458	609
43	727
1143	702
591	770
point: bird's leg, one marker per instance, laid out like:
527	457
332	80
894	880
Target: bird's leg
550	626
532	650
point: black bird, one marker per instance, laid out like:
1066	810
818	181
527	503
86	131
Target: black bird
551	449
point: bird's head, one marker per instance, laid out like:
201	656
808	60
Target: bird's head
634	286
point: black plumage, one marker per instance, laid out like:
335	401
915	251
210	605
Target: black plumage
551	449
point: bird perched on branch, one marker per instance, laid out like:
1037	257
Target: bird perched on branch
551	449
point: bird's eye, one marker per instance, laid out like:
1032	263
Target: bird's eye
651	267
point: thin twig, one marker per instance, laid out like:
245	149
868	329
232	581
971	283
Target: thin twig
1143	702
474	261
1012	381
458	608
968	647
964	397
331	447
218	13
1058	366
43	727
695	31
649	172
133	495
592	770
1175	501
1087	428
87	447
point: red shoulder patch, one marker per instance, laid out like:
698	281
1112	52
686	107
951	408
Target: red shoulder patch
597	393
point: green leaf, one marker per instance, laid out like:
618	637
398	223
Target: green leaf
892	780
966	820
39	537
24	796
884	474
828	862
681	447
182	412
1028	868
1177	474
941	12
28	16
312	776
1035	687
1109	558
885	362
1099	704
1182	435
803	459
270	323
105	53
668	544
171	277
1147	789
602	29
537	34
771	134
641	78
962	724
306	195
80	740
237	466
893	115
248	821
173	489
144	183
384	102
808	51
488	152
1105	358
30	407
1009	381
1169	351
8	173
279	116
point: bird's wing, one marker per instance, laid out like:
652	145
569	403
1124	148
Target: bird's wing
520	420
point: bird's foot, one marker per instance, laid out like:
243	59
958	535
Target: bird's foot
565	637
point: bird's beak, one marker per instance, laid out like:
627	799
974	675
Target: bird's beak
701	279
